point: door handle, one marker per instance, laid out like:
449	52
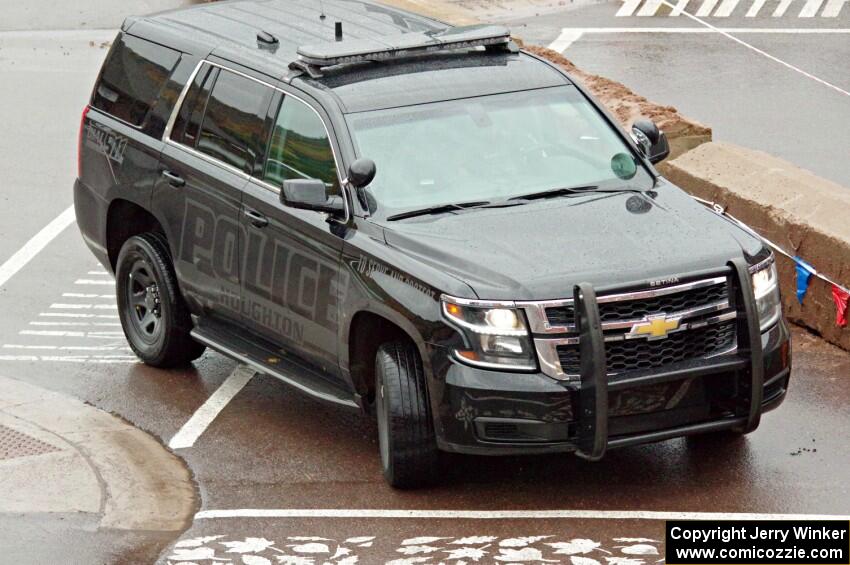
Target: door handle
174	179
256	219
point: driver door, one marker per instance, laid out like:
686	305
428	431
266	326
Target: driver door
291	284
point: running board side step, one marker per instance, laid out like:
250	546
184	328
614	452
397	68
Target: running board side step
284	369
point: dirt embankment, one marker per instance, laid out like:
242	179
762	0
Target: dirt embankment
683	134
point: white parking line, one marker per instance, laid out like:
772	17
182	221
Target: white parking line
72	358
504	514
205	415
105	282
74	315
36	243
80	295
67	347
81	306
66	324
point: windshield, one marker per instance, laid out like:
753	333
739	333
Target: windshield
491	148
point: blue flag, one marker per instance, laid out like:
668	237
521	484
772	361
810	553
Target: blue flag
804	275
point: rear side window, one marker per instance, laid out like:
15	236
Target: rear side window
188	123
300	148
132	78
233	127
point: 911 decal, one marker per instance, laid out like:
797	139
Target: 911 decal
106	142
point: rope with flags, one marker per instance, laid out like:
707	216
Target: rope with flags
805	271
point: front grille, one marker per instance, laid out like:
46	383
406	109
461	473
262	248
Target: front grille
641	354
638	309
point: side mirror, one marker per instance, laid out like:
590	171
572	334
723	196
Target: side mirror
651	140
310	194
361	173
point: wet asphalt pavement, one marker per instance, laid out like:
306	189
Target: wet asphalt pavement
273	449
746	97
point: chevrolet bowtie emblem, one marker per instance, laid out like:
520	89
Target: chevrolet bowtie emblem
655	327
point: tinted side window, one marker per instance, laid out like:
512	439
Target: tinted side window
300	147
188	122
132	78
233	127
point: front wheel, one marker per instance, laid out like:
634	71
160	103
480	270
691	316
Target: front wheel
154	318
405	431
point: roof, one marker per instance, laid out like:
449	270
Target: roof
229	30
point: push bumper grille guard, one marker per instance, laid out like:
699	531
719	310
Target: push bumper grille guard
748	364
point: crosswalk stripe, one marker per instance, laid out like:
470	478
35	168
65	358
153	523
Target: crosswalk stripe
706	8
628	8
680	7
726	8
832	8
781	8
649	8
810	9
755	8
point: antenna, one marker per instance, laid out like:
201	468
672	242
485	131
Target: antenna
322	15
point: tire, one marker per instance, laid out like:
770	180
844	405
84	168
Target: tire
406	438
153	315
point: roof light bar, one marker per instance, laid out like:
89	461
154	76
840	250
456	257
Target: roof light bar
402	45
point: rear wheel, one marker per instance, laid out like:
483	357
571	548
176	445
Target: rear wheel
405	431
154	318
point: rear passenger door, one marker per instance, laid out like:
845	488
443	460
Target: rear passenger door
291	283
215	142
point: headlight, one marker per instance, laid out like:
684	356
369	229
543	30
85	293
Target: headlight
494	337
766	289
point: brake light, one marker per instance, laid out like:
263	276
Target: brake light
80	142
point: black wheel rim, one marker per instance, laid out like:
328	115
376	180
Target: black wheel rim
143	305
383	425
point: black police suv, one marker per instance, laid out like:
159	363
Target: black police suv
399	216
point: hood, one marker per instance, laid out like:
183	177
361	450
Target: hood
540	250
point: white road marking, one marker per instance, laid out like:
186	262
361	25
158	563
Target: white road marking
628	8
100	272
204	416
712	29
762	53
810	9
680	7
567	37
82	306
649	8
36	243
781	8
754	8
60	333
832	8
74	315
706	7
72	359
68	324
726	8
80	295
67	347
106	282
503	514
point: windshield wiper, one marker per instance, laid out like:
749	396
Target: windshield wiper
572	190
441	209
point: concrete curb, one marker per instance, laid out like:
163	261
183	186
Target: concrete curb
60	455
792	207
